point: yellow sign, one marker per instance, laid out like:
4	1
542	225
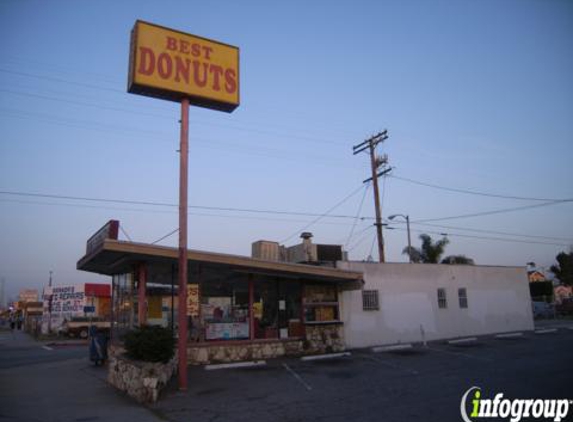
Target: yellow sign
193	300
173	65
258	310
154	307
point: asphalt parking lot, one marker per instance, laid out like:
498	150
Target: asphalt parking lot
422	383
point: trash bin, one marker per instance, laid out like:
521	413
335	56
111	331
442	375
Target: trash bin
98	346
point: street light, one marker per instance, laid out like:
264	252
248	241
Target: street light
408	228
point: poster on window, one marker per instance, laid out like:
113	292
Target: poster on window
227	330
193	300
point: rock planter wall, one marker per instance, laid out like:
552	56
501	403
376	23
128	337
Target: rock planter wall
324	339
241	351
141	380
319	339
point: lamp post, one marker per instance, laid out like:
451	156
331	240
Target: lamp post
407	218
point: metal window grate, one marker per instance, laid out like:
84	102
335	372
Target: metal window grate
463	297
442	299
370	300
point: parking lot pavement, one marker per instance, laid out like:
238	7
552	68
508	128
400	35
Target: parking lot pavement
553	323
425	383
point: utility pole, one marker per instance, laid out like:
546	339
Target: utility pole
50	298
2	298
376	162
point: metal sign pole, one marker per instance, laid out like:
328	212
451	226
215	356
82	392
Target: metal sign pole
183	182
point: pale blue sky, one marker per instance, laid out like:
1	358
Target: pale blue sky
476	95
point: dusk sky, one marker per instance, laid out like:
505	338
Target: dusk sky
477	97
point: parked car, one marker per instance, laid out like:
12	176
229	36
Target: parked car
565	307
543	310
79	326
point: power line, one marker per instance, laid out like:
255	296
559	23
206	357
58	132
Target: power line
114	108
125	233
163	136
365	234
491	231
166	236
157	204
371	248
52	79
470	192
107	79
173	205
198	214
499	239
500	211
357	215
324	214
85	104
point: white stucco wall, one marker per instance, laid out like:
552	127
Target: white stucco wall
498	301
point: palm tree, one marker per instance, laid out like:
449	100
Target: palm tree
458	260
430	251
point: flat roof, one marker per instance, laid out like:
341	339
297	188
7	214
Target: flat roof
120	257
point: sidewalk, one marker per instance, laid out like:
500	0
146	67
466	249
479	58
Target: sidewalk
16	339
65	390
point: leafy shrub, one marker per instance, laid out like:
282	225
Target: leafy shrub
150	344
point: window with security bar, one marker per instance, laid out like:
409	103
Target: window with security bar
442	299
463	297
370	300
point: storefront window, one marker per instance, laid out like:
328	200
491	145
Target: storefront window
225	309
265	310
277	309
123	304
290	309
320	304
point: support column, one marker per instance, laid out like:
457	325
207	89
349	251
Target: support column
141	295
251	311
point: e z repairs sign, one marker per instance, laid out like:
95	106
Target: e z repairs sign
173	65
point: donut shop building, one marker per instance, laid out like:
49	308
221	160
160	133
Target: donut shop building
238	307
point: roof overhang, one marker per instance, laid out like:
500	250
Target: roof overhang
120	257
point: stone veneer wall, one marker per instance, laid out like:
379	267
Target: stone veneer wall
141	380
325	338
319	339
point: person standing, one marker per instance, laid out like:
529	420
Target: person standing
12	321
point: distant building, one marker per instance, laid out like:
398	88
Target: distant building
28	295
536	276
562	292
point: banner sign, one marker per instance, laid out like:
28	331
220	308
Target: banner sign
172	65
65	300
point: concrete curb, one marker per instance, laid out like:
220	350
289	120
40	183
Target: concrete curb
67	343
392	348
326	356
463	340
509	335
248	364
546	331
